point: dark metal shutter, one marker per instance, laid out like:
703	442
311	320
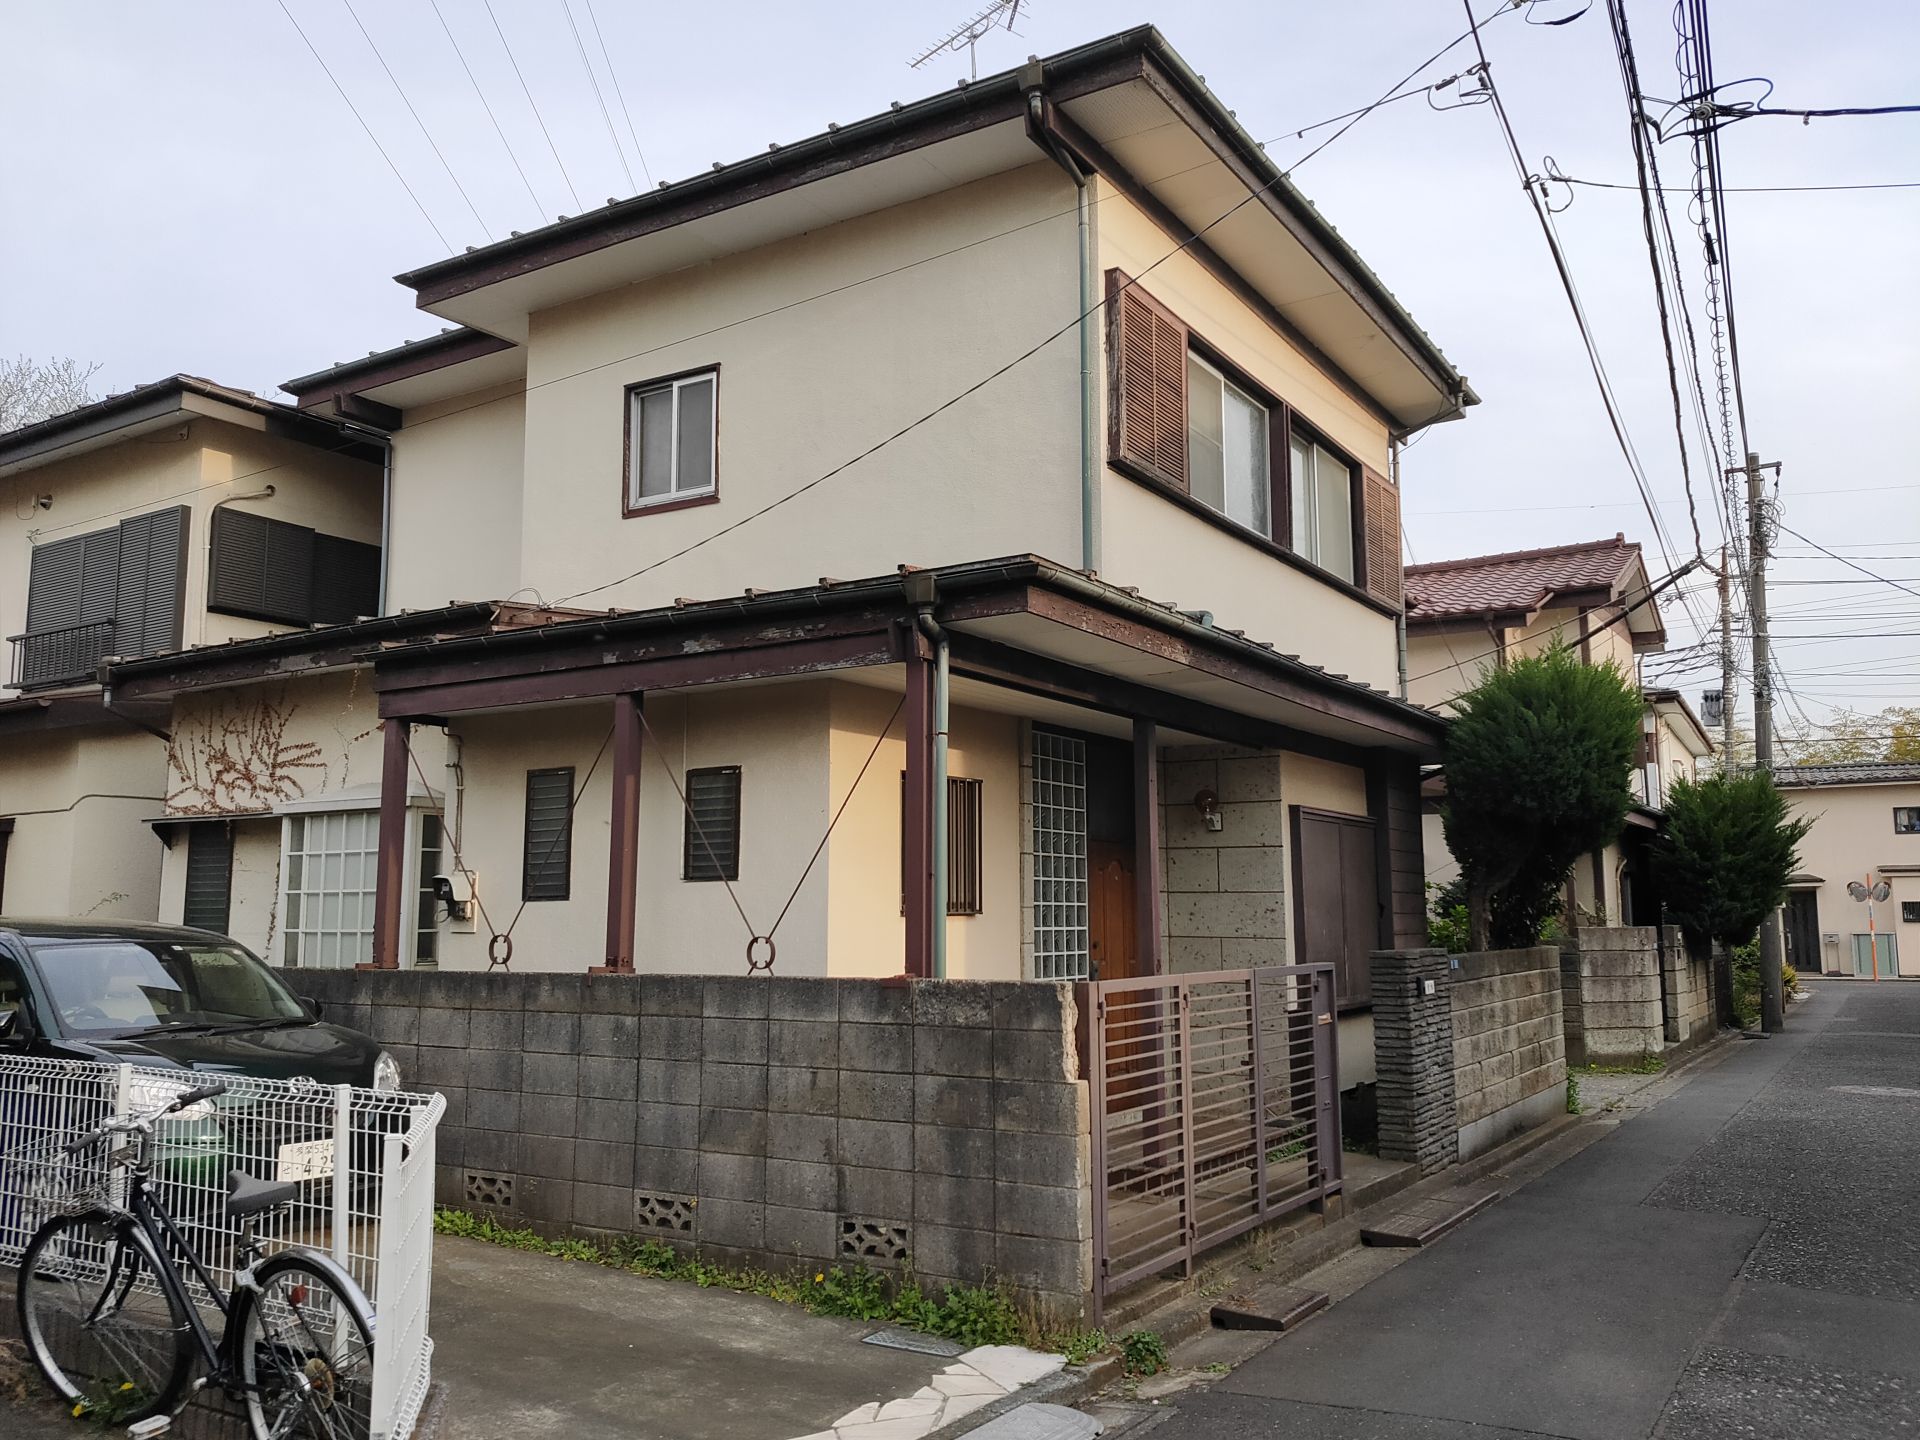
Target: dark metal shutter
209	876
346	580
546	860
54	584
260	568
71	597
712	846
150	582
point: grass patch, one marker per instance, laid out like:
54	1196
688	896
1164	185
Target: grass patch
1573	1094
1648	1064
970	1315
1143	1352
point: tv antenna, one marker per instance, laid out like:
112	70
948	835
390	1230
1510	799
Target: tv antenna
970	32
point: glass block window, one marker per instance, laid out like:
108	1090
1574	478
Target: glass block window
330	865
1059	804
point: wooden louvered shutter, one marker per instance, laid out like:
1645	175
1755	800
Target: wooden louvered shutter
150	583
712	844
546	866
209	877
1147	394
1381	524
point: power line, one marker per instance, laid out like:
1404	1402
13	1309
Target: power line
619	94
364	126
1850	564
1564	179
538	208
533	105
594	80
432	144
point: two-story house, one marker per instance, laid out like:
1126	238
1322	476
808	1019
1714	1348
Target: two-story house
1865	834
178	515
1038	435
1467	616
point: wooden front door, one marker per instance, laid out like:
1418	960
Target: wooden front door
1803	931
1336	898
1112	911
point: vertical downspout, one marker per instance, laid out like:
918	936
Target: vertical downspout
1400	620
386	516
930	627
1043	136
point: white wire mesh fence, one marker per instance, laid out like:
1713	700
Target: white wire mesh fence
364	1159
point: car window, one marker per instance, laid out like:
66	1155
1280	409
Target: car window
117	986
13	988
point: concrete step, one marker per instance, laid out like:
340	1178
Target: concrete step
1280	1307
1421	1222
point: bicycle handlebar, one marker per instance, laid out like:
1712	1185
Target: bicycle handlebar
208	1091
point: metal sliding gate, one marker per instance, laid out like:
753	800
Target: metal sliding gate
1216	1108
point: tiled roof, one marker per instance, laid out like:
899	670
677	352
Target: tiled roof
1519	581
1866	772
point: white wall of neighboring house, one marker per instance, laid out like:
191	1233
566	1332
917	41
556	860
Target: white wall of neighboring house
1853	837
79	847
459	469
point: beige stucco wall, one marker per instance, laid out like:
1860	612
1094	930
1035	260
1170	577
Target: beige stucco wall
1323	784
1443	661
1852	835
807	384
458	471
868	934
1148	541
198	465
78	846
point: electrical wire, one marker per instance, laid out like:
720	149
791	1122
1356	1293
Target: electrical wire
366	127
432	144
580	47
538	208
619	94
533	104
1851	564
1564	179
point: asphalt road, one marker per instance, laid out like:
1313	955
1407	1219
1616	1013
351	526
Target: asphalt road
1740	1260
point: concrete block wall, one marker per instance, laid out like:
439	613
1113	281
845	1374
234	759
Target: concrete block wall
1509	1050
1611	982
1226	888
1688	993
1413	1056
778	1121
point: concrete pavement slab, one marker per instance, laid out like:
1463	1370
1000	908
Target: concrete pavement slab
1728	1392
1238	1417
1820	1327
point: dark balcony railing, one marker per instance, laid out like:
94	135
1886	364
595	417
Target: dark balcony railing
60	655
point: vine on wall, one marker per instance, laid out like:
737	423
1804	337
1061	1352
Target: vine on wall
236	759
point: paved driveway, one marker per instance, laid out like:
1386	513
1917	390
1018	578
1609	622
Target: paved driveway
1741	1260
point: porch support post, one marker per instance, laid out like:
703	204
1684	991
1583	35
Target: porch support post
919	808
1146	847
390	863
623	843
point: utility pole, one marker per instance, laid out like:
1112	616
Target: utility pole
1772	946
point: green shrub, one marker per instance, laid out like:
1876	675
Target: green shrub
1143	1352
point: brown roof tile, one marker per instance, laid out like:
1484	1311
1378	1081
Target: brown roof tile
1518	581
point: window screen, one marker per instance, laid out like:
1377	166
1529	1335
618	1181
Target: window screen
209	876
712	849
547	858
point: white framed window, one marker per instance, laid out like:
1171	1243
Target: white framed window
1227	464
328	863
1322	493
672	440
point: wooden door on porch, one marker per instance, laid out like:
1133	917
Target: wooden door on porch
1803	931
1112	911
1336	897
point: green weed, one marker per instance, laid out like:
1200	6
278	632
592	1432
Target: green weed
1143	1352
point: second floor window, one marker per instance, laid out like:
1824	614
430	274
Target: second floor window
1906	819
1227	463
671	440
1322	506
118	591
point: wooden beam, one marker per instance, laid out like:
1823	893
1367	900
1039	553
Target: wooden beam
623	843
919	810
390	863
1147	876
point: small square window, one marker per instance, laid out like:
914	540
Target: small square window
1906	819
672	437
1910	912
711	848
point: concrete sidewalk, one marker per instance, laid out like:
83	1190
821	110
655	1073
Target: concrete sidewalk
529	1346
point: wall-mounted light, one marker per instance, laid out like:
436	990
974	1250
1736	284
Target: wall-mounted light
44	502
1208	804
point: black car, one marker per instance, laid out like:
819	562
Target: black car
164	995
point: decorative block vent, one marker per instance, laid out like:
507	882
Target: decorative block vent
490	1188
862	1239
655	1211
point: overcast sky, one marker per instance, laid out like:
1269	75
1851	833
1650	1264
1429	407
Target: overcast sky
183	188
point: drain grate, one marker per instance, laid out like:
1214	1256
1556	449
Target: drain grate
896	1339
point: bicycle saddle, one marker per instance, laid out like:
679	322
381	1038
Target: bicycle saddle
248	1196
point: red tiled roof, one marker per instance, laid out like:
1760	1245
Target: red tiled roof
1519	581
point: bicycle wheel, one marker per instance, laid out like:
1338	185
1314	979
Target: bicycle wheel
306	1352
97	1322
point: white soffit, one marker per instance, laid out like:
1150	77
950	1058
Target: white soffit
484	373
1175	163
503	308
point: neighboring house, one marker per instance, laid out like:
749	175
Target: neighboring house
1866	828
1165	586
179	514
1467	616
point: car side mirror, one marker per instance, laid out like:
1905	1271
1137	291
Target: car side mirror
314	1005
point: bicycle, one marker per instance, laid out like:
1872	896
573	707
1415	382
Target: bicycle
105	1311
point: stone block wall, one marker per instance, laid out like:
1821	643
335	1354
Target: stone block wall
1688	993
1226	888
1611	981
1509	1051
779	1121
1413	1055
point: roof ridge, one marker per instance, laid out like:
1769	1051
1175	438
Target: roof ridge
1618	542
